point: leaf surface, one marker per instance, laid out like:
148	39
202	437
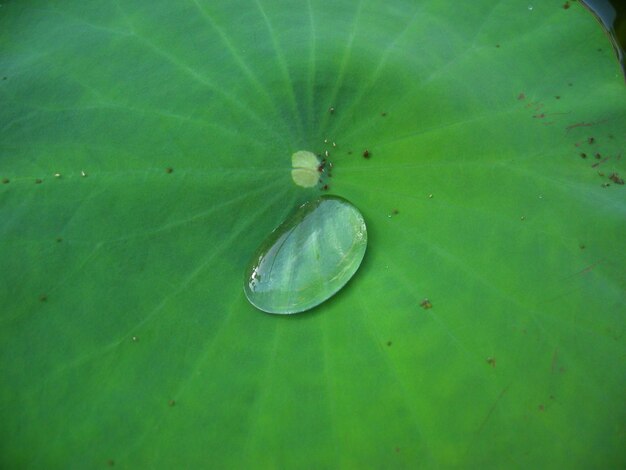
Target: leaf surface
126	336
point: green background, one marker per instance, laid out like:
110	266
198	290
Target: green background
125	335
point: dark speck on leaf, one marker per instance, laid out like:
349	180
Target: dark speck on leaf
171	403
388	343
616	179
582	247
38	181
426	304
111	463
383	114
6	180
4	78
491	361
591	140
43	298
566	5
598	156
498	45
59	239
169	170
366	154
583	155
558	97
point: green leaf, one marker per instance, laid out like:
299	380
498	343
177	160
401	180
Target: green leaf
126	335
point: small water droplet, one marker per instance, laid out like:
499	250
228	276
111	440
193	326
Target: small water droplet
530	7
308	258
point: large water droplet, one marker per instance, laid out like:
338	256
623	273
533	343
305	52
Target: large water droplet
308	258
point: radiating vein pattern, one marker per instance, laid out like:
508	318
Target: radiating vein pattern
145	156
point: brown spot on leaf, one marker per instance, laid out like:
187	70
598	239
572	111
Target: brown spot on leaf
426	304
6	180
491	361
366	153
521	96
566	5
616	178
169	170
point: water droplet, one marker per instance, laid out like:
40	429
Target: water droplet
530	7
308	258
